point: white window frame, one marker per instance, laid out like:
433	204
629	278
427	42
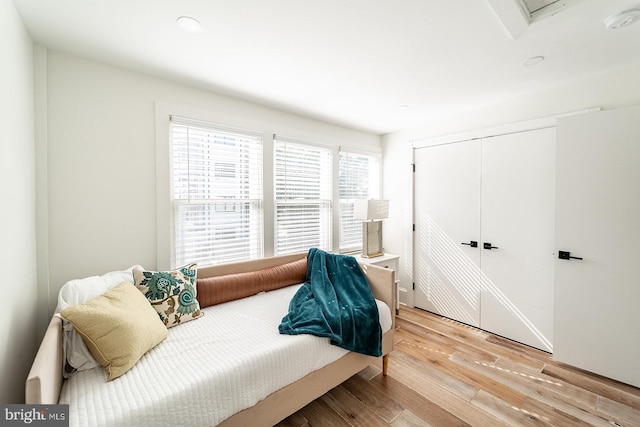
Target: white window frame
324	203
216	191
354	243
158	254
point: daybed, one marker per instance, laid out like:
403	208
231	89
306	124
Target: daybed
46	385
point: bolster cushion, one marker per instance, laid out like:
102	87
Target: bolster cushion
219	289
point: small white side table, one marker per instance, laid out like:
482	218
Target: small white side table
387	261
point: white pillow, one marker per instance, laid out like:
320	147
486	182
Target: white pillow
76	354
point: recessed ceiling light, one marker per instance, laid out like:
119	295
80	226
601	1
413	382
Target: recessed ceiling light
534	60
189	24
404	106
622	19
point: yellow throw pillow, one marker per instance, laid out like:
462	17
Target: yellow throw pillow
119	327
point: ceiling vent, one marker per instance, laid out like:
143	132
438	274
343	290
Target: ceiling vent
516	15
538	9
534	6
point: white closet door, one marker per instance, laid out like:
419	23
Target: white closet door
447	208
597	299
518	199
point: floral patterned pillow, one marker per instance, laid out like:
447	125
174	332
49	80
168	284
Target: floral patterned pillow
171	293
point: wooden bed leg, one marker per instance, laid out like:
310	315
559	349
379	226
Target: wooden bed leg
385	364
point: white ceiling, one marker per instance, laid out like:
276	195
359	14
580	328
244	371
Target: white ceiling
351	62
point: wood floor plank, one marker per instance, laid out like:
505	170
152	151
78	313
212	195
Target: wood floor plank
553	388
295	420
418	404
429	341
438	342
521	349
453	399
508	413
426	372
550	414
622	414
530	383
408	419
586	392
577	408
616	391
464	374
369	372
351	409
444	373
442	323
319	414
374	397
451	329
499	347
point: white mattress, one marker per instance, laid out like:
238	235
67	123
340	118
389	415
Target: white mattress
205	370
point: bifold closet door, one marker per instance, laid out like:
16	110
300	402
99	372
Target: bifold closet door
447	220
484	242
597	299
517	210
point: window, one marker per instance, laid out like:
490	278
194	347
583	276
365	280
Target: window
302	196
359	179
217	202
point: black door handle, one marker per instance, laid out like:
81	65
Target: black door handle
566	255
488	246
472	243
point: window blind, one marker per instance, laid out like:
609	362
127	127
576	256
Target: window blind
359	179
217	193
302	196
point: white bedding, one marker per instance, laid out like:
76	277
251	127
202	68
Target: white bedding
206	370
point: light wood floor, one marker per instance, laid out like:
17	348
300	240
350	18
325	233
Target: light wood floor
443	373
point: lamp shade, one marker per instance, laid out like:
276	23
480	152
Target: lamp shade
370	209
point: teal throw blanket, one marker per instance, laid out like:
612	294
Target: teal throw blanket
335	302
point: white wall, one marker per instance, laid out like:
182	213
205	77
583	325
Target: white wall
614	89
17	216
101	145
